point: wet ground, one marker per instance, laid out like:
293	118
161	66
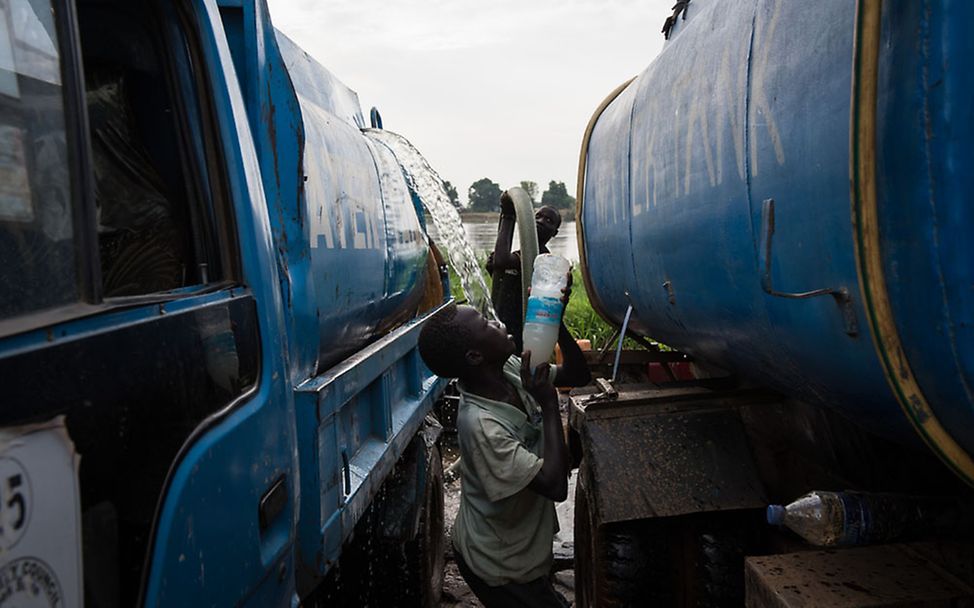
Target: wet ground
456	593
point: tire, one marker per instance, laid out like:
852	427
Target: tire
691	561
425	560
612	568
374	571
714	547
412	571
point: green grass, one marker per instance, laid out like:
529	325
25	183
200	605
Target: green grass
584	323
455	289
581	319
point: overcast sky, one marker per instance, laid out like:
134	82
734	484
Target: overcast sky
484	88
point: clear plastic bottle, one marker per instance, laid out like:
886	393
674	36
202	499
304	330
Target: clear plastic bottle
856	518
544	311
818	517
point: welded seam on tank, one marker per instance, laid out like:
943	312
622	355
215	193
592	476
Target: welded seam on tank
872	282
778	353
632	244
372	145
747	124
928	139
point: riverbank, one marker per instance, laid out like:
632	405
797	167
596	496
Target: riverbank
480	217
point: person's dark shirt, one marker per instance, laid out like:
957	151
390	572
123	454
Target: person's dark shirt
506	295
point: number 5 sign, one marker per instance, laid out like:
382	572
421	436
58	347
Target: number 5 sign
40	531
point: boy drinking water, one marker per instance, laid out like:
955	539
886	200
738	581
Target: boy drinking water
513	458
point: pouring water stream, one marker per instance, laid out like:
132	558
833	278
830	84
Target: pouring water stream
425	182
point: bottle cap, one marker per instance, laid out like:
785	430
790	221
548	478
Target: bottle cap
776	515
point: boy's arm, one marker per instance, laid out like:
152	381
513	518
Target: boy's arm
552	480
573	371
502	258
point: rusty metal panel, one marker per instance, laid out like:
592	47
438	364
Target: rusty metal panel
661	453
921	574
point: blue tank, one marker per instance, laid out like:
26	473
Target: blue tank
784	192
353	254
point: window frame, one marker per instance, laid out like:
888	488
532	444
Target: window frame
217	231
81	189
224	224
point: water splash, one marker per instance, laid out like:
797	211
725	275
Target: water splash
449	227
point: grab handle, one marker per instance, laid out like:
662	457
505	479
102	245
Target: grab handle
840	294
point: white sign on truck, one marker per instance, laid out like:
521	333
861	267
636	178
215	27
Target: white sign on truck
40	518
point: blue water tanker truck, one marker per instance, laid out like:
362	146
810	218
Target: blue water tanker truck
212	286
782	197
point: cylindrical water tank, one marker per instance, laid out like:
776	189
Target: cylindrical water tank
368	250
785	192
355	256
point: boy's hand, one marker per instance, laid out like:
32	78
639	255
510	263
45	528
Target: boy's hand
537	383
507	205
567	289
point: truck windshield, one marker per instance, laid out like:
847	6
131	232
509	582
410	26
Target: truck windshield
37	254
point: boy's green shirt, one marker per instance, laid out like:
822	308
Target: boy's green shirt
503	530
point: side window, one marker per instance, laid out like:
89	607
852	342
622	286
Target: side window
37	235
154	218
153	228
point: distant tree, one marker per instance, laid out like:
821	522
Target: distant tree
451	192
557	196
484	195
532	189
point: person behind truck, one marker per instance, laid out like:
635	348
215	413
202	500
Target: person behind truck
513	458
506	288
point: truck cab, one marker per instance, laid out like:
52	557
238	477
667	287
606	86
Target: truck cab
202	397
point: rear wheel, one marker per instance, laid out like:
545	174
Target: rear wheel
692	560
377	571
715	545
611	565
411	572
424	555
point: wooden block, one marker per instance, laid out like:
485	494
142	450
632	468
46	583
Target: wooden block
921	574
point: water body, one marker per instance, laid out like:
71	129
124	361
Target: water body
481	236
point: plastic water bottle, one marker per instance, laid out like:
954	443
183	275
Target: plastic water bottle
854	518
544	311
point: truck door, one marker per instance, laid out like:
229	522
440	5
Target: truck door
137	304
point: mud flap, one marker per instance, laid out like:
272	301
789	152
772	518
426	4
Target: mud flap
662	453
